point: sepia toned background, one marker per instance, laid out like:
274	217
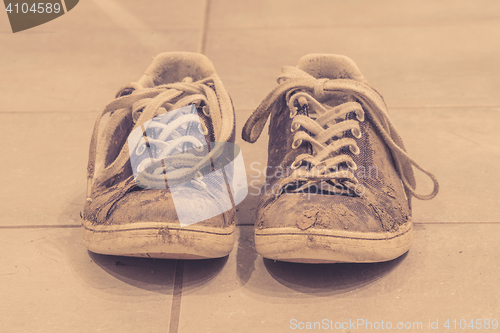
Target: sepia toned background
437	63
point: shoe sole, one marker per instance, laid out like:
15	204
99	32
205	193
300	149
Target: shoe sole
159	240
328	246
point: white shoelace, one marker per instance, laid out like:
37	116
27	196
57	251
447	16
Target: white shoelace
145	104
169	151
327	131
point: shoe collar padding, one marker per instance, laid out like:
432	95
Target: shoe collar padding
330	66
174	67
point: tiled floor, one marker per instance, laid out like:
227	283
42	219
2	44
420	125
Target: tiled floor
437	65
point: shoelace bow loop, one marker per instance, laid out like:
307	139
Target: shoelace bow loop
145	104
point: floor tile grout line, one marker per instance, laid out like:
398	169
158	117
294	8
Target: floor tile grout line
471	223
420	223
419	107
204	28
41	226
175	309
480	106
45	112
63	3
416	24
250	110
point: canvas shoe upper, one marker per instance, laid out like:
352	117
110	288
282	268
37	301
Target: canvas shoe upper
339	182
155	160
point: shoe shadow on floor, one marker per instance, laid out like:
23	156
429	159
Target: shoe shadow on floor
265	276
202	276
328	279
157	275
150	273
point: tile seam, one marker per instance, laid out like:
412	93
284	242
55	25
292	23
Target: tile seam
175	309
204	28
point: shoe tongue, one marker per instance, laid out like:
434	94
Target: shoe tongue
330	66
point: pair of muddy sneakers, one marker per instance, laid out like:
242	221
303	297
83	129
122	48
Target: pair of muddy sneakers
164	174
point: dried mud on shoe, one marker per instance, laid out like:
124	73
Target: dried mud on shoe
165	175
339	181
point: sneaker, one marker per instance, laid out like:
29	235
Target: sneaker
339	181
154	189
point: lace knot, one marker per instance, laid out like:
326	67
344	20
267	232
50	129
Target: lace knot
319	91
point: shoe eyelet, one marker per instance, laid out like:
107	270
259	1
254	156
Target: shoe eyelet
206	111
352	165
320	165
136	115
203	129
360	115
141	148
125	92
295	165
296	143
302	101
199	148
356	133
354	149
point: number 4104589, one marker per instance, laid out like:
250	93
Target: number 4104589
477	324
36	8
